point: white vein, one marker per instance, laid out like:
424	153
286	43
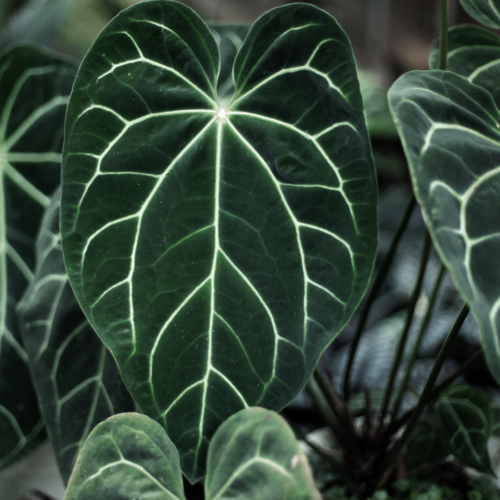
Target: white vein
320	150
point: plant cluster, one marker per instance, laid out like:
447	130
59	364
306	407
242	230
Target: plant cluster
215	230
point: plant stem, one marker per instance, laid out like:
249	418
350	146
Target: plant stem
424	397
397	424
424	259
326	412
340	411
443	43
420	336
377	283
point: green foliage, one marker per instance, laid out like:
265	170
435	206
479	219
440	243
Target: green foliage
260	216
475	54
75	376
450	132
486	12
253	454
128	456
34	90
465	419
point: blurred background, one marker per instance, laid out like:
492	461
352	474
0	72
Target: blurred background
389	38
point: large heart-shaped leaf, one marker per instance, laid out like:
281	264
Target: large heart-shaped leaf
254	454
34	90
76	377
217	251
486	12
465	418
129	457
229	38
450	130
475	54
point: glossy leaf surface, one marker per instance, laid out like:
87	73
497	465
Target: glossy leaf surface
76	377
254	454
486	12
34	90
229	38
465	418
129	457
217	251
475	54
451	134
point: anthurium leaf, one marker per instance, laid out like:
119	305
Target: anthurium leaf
465	418
451	134
254	454
486	12
129	457
475	54
229	38
34	89
426	444
217	251
76	377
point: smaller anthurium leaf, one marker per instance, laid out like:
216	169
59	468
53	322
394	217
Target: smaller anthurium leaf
254	454
486	12
34	90
76	377
229	38
465	419
450	130
426	444
130	457
475	54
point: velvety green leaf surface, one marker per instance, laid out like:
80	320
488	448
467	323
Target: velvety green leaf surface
217	251
451	134
465	418
76	377
229	38
254	454
129	457
475	54
486	12
34	90
426	444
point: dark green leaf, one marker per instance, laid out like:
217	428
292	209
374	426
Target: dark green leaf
254	454
34	90
475	54
451	134
229	38
76	378
465	418
127	457
486	12
426	444
217	251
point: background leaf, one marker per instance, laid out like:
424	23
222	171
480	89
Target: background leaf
475	54
486	12
217	251
465	418
34	90
76	378
254	454
229	38
450	132
130	457
426	444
